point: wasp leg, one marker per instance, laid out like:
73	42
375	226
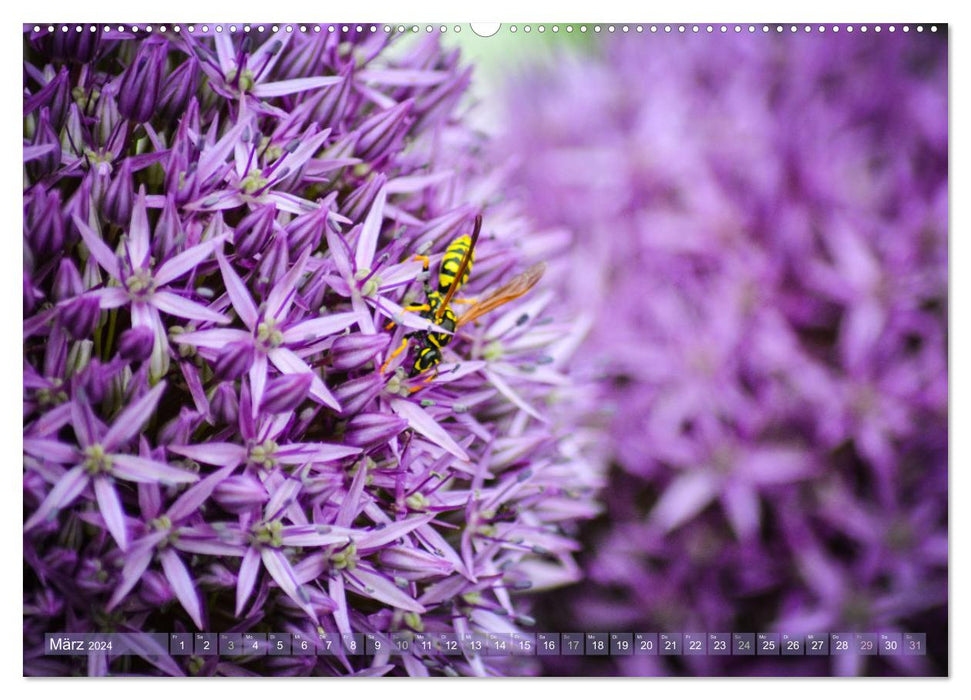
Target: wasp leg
411	307
470	300
427	380
400	349
425	263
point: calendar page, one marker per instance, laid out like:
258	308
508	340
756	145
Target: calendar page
524	349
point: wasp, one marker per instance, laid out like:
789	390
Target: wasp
453	273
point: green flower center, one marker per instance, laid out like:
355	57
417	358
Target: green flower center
371	286
140	284
263	454
246	81
367	464
417	502
268	335
85	100
413	620
93	159
268	534
345	558
163	523
53	394
271	153
472	597
396	384
96	460
493	351
253	182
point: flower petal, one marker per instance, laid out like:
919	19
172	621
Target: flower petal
65	491
130	421
408	319
684	497
35	152
87	427
111	297
110	506
376	538
96	246
172	303
316	328
370	231
281	498
225	52
189	502
238	293
402	77
415	183
774	465
182	586
139	233
279	568
51	450
421	422
351	501
214	338
222	454
289	87
215	155
137	560
338	593
288	362
313	452
513	397
257	381
313	536
184	262
144	470
741	504
341	253
146	646
246	579
281	296
371	584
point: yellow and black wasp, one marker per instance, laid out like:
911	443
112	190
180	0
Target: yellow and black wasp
453	273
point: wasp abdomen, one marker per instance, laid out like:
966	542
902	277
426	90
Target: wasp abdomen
452	263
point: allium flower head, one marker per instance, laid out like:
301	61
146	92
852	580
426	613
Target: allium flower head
218	234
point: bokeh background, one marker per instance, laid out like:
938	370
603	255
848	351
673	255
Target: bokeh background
759	227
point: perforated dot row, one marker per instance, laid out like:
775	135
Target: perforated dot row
720	28
514	28
236	28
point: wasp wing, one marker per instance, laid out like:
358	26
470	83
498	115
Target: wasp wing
511	290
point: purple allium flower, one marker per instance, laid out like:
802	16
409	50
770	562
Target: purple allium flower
760	234
216	436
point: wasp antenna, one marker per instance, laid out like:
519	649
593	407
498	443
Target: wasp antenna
475	229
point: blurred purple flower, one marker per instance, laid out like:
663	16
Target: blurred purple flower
760	236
